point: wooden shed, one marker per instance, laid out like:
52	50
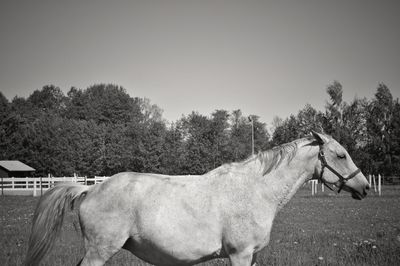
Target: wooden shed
15	169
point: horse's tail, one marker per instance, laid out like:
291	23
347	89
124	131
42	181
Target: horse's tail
48	218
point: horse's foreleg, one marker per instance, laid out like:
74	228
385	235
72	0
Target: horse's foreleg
241	259
93	258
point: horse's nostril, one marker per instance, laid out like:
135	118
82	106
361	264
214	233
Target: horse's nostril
367	187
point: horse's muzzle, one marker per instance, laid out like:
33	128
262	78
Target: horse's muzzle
359	195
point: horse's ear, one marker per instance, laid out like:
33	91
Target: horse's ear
322	139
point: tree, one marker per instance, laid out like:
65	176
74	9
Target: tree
102	130
334	110
150	112
219	137
276	122
151	146
288	131
173	158
4	112
380	123
198	143
395	148
261	135
15	129
308	120
103	104
4	107
49	99
335	91
240	137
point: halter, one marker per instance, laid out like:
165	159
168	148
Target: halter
324	164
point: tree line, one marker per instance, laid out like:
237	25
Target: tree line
102	130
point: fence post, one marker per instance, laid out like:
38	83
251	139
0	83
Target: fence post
41	188
379	184
313	191
34	187
312	188
369	180
2	185
373	180
316	187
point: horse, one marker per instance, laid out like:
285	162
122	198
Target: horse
184	220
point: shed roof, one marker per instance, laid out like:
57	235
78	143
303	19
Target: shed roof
16	166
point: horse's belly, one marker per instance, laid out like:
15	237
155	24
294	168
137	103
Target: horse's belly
177	239
171	252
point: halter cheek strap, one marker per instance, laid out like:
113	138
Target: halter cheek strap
325	164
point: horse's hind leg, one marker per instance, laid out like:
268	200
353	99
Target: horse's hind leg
105	228
98	252
102	239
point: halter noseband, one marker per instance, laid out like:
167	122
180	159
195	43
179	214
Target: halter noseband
324	164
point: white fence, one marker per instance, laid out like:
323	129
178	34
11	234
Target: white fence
376	184
314	186
36	186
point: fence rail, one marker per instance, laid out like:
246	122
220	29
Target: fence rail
36	186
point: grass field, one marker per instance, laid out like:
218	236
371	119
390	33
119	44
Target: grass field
326	229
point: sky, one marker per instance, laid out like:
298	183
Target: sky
268	58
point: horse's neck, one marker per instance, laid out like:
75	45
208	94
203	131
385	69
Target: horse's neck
282	183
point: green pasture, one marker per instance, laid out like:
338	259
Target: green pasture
326	229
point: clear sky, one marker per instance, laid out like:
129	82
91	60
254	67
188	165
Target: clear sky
265	57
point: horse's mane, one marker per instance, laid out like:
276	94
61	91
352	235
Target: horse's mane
272	158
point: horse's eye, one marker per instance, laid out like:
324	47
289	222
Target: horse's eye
341	156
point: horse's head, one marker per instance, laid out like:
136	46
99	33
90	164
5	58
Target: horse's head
336	167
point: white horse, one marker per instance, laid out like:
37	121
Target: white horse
184	220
